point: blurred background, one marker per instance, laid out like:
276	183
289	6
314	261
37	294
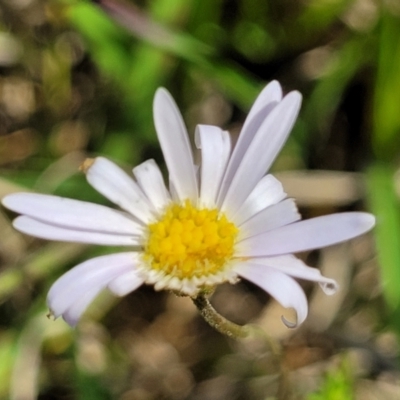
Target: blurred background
77	79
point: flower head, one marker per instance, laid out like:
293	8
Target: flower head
216	222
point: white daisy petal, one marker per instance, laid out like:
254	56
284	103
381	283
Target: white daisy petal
175	145
280	286
151	181
292	266
261	152
272	217
173	192
126	283
115	184
215	145
267	192
88	277
110	262
307	235
270	95
78	306
265	102
43	230
74	214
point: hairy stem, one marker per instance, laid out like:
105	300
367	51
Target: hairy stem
217	321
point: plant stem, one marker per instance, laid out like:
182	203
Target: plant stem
217	321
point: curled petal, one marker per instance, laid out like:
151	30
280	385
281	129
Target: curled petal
280	286
72	292
126	283
78	306
292	266
307	235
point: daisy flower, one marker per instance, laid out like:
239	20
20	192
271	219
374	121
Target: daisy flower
216	221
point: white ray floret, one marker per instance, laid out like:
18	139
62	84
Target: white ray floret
73	292
215	146
150	180
117	186
307	235
264	104
73	214
48	231
175	145
215	222
261	152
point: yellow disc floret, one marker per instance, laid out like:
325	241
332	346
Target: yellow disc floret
188	243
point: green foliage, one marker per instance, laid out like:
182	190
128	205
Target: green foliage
385	205
386	116
383	198
338	384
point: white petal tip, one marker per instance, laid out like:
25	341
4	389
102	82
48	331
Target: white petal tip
13	200
161	90
295	98
274	84
5	201
72	322
161	95
329	288
369	220
289	324
361	222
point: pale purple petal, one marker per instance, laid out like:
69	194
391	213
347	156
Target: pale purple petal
151	181
280	286
265	102
74	214
215	148
78	306
43	230
272	217
292	266
175	145
307	235
115	184
270	95
268	191
83	272
74	290
126	283
261	152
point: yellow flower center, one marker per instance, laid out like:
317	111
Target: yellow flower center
188	242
